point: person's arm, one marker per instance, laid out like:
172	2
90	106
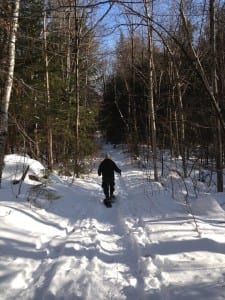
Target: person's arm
117	169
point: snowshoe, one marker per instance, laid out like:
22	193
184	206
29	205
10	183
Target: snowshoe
112	198
107	202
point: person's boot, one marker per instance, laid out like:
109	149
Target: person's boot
107	202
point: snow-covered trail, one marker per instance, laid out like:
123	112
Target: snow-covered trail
96	251
77	249
145	247
175	260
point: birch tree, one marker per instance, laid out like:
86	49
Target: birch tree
219	148
151	107
47	93
8	83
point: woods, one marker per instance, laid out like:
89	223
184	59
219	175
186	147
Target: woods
158	84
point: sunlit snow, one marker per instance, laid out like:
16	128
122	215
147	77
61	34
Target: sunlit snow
153	244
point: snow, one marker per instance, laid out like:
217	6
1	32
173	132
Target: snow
159	241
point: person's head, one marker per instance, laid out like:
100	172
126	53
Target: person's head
106	155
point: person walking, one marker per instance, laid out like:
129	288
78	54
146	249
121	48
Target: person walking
107	168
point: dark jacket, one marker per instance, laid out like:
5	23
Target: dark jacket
107	168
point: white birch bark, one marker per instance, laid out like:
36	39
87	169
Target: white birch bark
151	107
47	92
8	84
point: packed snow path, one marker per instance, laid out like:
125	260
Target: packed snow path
145	247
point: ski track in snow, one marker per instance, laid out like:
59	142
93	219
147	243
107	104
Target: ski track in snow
131	251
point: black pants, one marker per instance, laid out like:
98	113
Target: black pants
108	187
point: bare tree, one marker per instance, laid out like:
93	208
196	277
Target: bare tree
47	93
219	148
8	83
151	107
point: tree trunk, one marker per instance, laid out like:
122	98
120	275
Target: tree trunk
218	133
181	140
133	98
151	108
77	93
47	92
8	84
36	139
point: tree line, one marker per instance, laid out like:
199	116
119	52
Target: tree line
163	89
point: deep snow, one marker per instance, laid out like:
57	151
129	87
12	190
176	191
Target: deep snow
147	246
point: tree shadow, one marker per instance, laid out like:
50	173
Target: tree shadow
176	247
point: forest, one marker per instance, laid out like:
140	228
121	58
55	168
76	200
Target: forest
145	73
